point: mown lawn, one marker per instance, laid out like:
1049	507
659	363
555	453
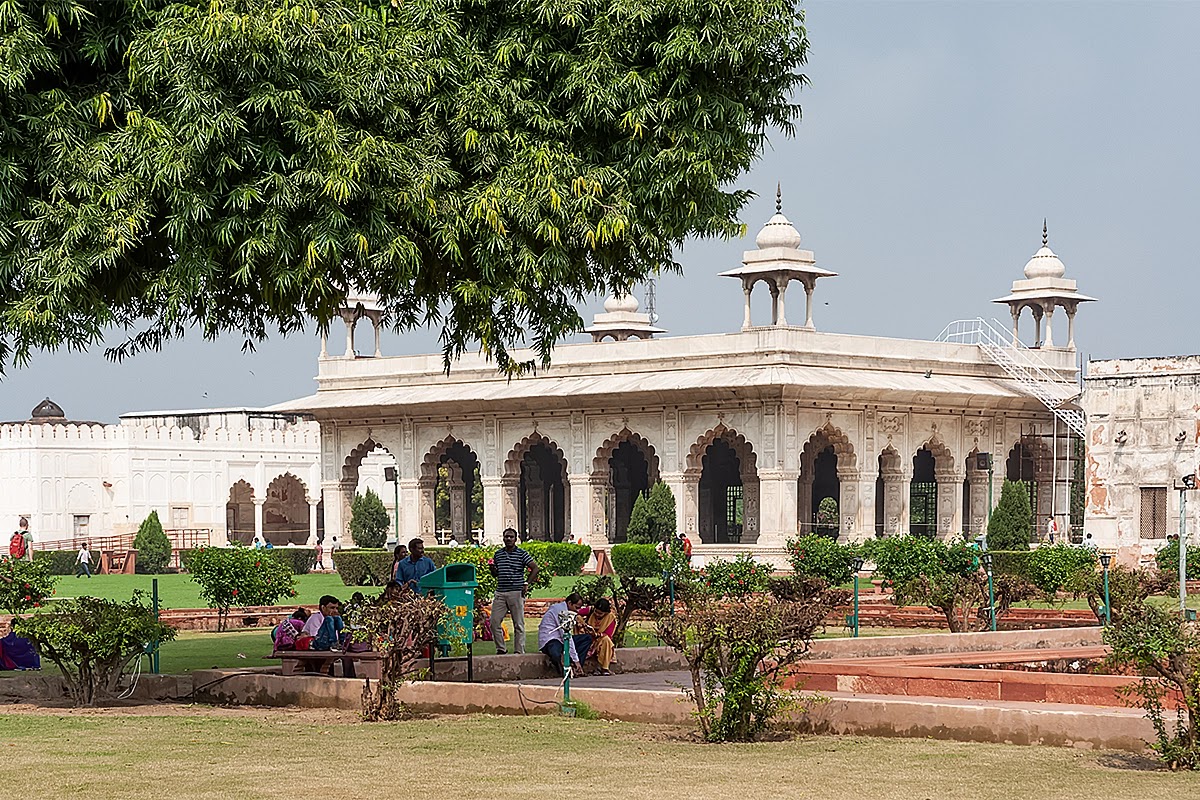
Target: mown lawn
200	753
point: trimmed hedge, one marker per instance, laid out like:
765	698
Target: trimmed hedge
636	560
562	558
1050	568
59	562
300	559
362	567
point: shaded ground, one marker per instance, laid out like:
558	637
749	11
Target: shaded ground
199	752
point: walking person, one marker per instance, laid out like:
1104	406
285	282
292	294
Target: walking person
509	566
84	563
319	555
18	545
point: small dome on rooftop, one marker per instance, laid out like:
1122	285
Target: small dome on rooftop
626	303
1044	263
778	232
48	409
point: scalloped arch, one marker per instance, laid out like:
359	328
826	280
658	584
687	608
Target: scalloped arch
355	458
512	464
433	458
605	452
943	459
743	448
829	435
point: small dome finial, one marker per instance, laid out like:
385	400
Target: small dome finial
1045	234
779	198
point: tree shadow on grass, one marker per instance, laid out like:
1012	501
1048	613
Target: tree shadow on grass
1137	762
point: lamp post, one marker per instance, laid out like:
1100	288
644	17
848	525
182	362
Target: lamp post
1105	560
1185	483
391	474
984	461
987	565
857	564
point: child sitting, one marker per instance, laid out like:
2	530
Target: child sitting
285	634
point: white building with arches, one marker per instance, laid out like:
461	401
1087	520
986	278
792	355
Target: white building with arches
238	473
752	429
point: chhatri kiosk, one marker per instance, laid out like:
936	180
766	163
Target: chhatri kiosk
752	429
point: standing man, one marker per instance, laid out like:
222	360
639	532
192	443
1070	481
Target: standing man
410	571
509	565
28	536
18	545
84	562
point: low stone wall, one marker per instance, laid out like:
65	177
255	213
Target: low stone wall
987	641
534	666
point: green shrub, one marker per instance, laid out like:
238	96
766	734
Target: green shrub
152	545
653	517
24	584
299	559
363	567
1168	559
93	641
1012	562
636	560
1054	568
734	579
368	520
821	557
58	562
239	576
1012	520
562	558
481	556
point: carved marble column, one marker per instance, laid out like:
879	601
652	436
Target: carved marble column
510	497
535	503
949	504
774	496
259	502
493	509
312	521
457	491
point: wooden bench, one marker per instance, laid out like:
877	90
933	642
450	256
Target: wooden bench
368	663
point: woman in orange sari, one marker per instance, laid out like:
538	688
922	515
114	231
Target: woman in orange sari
601	623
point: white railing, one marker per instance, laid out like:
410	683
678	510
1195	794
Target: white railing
1035	377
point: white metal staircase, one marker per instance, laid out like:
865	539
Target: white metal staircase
1035	377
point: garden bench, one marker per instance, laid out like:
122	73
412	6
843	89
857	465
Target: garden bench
368	664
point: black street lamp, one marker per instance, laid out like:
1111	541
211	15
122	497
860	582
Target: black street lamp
857	565
987	565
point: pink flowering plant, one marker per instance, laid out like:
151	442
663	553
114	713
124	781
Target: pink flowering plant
239	576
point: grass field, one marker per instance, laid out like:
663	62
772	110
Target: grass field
202	753
180	591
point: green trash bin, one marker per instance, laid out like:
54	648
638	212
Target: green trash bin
455	584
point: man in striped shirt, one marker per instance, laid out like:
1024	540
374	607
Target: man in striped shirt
509	566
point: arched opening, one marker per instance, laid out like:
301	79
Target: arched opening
542	493
239	513
826	493
367	467
457	491
627	466
819	497
285	511
727	489
1021	467
922	508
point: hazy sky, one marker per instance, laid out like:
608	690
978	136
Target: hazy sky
935	138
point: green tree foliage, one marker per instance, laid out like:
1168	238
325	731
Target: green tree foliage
479	165
1012	520
947	577
653	517
1167	560
738	652
369	520
636	560
239	576
1127	588
93	641
24	584
152	545
821	557
1164	649
828	517
738	578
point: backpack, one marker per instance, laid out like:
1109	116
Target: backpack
16	545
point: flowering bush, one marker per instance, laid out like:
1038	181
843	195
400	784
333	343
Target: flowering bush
736	578
239	576
24	584
821	557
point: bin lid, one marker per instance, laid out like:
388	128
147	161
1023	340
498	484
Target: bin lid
451	575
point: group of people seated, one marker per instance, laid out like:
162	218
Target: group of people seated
584	631
323	629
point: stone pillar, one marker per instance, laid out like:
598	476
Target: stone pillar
858	507
324	345
1016	315
689	507
579	506
1037	325
896	488
259	502
705	527
426	507
510	497
949	504
977	523
457	490
804	503
493	509
774	303
1049	319
1070	326
312	521
747	287
782	311
677	484
774	495
350	323
809	286
375	324
410	509
337	495
597	487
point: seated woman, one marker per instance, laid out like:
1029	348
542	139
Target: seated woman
285	634
601	623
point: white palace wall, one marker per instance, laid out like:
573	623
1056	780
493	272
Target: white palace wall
113	476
